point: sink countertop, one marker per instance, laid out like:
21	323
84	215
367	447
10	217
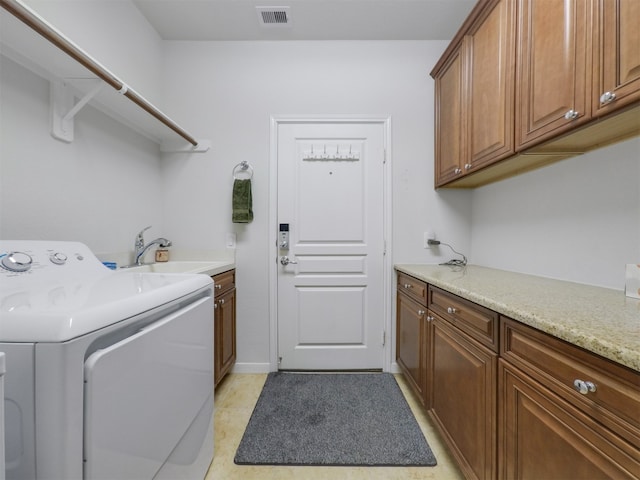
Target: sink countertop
221	260
207	267
601	320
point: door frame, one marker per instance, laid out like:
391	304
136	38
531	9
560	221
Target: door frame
276	121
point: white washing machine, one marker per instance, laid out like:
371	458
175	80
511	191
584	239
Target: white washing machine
109	374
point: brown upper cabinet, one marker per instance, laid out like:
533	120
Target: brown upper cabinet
474	96
491	55
616	79
553	69
450	119
527	82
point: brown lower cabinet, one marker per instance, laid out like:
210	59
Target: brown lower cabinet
463	398
542	436
410	344
591	434
224	332
502	394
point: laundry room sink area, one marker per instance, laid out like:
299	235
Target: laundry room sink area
185	266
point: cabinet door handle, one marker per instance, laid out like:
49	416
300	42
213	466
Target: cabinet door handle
421	312
408	285
215	306
451	310
218	286
221	301
457	171
584	387
571	115
429	318
467	166
607	97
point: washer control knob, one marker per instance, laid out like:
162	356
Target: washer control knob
16	262
58	258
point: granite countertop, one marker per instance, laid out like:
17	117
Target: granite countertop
601	320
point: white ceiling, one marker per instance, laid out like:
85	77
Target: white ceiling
310	19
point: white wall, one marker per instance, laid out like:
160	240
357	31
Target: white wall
230	90
576	220
114	33
100	189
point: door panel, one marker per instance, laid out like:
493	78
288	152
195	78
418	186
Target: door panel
151	385
552	68
331	315
450	120
330	200
330	298
617	58
491	101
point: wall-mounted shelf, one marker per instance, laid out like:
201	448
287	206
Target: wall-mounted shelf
77	78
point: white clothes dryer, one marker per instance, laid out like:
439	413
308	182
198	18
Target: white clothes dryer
109	374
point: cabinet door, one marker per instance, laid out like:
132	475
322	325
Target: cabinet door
567	444
450	119
553	68
410	342
463	397
225	334
491	49
617	55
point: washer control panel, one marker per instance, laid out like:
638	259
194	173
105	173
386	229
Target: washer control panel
39	258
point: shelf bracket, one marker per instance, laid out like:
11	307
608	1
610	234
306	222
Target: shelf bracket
63	108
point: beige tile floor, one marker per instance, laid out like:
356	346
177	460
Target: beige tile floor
234	401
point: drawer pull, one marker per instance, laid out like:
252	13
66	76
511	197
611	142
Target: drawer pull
451	310
584	387
429	318
408	285
421	312
218	286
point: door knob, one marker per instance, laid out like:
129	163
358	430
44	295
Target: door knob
284	261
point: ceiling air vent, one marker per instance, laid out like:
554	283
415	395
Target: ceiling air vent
274	16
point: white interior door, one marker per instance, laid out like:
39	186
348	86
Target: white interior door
331	295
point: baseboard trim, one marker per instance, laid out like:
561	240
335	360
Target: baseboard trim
251	368
242	367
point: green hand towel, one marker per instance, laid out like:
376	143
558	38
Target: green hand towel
242	202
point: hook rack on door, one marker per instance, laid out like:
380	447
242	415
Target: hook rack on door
334	153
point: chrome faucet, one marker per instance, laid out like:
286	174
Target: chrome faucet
140	248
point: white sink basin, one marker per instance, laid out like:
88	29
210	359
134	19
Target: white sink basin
207	267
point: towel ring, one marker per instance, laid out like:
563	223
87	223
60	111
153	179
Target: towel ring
242	167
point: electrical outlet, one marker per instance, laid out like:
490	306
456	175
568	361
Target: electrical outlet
428	235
